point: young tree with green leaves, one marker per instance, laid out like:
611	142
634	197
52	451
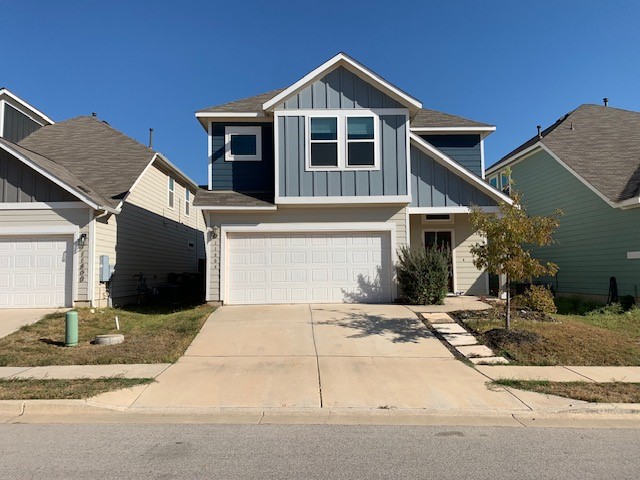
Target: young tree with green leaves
506	233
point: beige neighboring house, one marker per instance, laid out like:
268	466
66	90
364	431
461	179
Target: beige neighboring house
84	210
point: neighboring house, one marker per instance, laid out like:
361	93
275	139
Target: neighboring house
588	165
75	191
313	188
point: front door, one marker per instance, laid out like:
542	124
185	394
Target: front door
443	239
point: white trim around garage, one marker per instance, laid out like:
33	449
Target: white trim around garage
389	228
41	205
53	230
92	259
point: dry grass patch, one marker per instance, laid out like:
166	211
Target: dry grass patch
28	389
152	335
612	392
569	340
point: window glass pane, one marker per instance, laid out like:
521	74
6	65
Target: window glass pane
361	153
187	208
505	181
171	199
170	183
444	216
324	154
324	128
494	182
243	144
360	128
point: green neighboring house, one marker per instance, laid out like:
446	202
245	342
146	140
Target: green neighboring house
588	165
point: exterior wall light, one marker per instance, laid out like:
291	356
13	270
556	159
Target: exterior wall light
82	240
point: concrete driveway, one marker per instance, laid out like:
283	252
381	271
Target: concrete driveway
310	356
12	319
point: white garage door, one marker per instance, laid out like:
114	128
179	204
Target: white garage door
308	267
36	271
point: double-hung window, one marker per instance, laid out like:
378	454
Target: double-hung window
171	192
243	144
343	141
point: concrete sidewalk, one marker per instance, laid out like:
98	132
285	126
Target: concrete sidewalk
68	372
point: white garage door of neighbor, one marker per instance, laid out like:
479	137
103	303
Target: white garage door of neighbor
36	271
308	267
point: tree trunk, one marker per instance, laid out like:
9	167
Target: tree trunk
507	324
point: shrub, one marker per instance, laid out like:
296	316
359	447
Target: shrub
423	274
576	305
536	298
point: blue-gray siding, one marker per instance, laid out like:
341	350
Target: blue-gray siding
19	183
17	125
433	185
391	179
340	89
242	176
464	149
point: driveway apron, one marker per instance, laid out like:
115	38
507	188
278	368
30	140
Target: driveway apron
311	356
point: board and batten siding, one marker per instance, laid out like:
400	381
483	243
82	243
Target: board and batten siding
242	176
64	217
340	88
464	149
296	181
17	125
469	279
593	239
21	183
300	216
433	185
150	237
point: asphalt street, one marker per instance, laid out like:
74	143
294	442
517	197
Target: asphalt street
310	452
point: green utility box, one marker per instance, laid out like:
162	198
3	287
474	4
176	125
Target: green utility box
71	329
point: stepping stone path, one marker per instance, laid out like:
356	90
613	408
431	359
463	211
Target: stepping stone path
465	343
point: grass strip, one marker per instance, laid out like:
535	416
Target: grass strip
55	389
609	392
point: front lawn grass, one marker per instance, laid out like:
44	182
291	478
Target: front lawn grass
602	339
611	392
151	335
30	389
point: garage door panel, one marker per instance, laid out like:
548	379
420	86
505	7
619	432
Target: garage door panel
308	267
37	271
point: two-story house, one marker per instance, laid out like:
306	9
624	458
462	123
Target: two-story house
313	188
84	210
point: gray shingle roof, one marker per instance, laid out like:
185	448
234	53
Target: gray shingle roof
601	144
106	160
227	198
250	104
433	118
60	172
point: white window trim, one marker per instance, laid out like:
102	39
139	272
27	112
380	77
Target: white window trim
187	202
448	221
453	251
171	191
229	131
342	140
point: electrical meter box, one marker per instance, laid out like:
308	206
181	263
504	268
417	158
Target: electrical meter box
105	268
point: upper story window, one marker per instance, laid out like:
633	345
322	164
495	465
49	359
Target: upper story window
187	202
494	181
501	182
243	144
343	140
171	192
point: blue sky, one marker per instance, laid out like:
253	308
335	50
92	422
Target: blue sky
515	64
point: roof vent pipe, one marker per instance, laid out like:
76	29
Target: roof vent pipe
94	114
606	101
151	138
539	127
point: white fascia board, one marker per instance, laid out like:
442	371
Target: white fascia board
512	160
363	72
479	130
24	104
443	210
353	200
459	170
629	203
53	178
206	208
176	170
230	114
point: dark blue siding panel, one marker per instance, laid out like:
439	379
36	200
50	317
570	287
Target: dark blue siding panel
433	185
242	176
17	125
464	149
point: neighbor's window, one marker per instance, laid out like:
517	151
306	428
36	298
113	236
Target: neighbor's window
187	202
172	191
360	142
323	139
504	182
243	144
494	182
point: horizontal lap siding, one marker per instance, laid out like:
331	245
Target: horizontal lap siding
242	176
151	238
433	185
56	218
593	238
347	215
295	181
464	149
